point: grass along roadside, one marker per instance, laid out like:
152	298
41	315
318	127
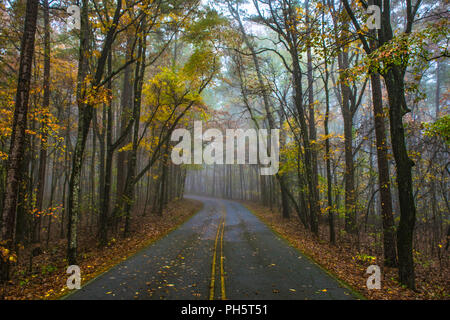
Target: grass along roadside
346	264
49	281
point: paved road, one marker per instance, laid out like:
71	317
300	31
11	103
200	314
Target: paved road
224	251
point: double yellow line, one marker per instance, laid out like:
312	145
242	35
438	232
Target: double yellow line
219	237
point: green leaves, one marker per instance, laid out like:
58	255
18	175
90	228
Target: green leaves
207	28
441	128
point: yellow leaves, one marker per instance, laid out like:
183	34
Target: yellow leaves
319	5
174	16
4	251
150	143
95	96
3	155
6	254
96	53
325	210
165	89
414	155
201	65
49	292
127	147
169	93
6	112
364	258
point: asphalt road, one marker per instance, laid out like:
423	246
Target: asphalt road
222	252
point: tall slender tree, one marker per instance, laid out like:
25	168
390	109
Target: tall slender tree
18	136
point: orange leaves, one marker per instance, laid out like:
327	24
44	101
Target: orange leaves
30	132
52	211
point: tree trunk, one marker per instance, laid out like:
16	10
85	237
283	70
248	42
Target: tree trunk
18	136
397	108
327	151
125	116
312	125
84	120
107	174
45	106
132	161
349	175
390	255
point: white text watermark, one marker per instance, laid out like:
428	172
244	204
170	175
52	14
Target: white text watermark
256	151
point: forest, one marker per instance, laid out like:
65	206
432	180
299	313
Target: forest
91	92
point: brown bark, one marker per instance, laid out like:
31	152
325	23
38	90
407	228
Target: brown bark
45	106
125	116
349	174
393	75
395	87
390	255
85	117
312	122
18	136
327	145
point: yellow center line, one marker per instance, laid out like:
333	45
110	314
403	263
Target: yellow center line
213	268
219	235
222	276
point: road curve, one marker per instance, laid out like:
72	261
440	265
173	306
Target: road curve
222	252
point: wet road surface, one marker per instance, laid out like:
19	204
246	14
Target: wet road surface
222	252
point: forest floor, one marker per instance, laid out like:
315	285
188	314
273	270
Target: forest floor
349	264
48	281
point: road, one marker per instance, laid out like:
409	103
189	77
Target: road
222	252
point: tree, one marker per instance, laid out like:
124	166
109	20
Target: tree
86	90
282	17
16	153
267	105
45	106
393	73
390	254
